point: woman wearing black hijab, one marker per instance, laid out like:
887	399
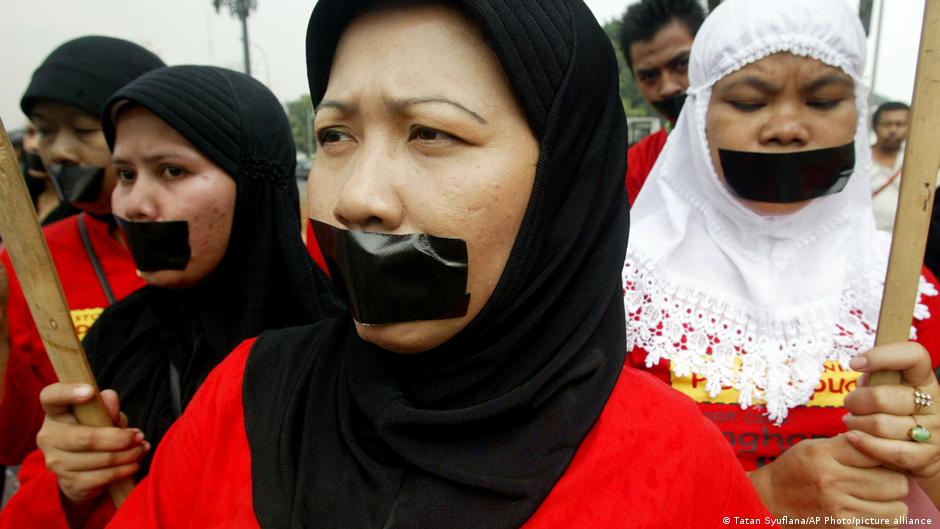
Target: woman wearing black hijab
478	149
209	151
64	100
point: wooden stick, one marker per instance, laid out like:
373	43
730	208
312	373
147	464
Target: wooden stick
918	182
29	253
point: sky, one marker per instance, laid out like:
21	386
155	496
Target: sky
191	32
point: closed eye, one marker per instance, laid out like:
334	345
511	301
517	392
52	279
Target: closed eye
745	106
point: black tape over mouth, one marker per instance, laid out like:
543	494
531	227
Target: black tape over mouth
161	245
785	178
671	106
396	278
77	183
33	162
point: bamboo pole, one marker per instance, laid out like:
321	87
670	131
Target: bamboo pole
22	236
918	183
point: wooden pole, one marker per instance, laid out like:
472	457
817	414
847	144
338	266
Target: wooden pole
918	185
29	254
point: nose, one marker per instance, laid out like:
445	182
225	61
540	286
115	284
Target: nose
137	201
787	126
61	149
369	199
672	84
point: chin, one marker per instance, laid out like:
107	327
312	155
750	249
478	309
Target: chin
173	279
774	209
409	337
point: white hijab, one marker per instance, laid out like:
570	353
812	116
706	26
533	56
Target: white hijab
754	302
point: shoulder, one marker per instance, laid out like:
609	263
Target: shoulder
63	231
644	415
650	144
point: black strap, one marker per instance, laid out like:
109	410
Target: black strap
95	263
175	389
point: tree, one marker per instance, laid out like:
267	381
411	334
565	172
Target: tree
300	115
241	9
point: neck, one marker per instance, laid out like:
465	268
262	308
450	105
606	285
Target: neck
883	155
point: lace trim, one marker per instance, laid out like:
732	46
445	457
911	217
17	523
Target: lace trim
771	361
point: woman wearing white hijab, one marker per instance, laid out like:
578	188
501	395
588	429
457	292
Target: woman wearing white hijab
754	275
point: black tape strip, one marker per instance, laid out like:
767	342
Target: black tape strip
156	246
396	278
671	106
788	177
77	183
34	162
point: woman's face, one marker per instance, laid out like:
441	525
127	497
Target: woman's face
69	136
162	177
31	145
781	103
419	132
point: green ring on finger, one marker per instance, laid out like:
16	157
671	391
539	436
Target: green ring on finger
918	433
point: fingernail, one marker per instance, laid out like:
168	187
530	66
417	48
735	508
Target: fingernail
846	417
853	437
139	436
83	391
146	446
858	363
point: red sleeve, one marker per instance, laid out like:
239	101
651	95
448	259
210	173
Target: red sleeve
641	158
28	371
37	503
928	330
201	472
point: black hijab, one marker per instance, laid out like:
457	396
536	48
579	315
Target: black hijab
265	280
476	432
84	72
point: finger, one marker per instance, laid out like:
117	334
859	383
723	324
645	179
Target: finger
81	485
876	484
57	399
64	462
891	399
871	513
82	438
910	358
110	399
920	459
846	454
880	425
122	420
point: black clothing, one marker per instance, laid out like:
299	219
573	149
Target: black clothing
476	432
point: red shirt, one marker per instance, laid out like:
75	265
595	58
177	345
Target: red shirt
651	460
640	160
29	370
756	440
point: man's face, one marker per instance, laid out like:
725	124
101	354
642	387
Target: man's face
891	129
661	65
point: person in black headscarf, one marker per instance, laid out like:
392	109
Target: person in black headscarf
207	199
49	207
63	100
475	148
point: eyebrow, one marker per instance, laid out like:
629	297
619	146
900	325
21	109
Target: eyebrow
342	106
152	158
678	58
753	82
826	80
400	104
